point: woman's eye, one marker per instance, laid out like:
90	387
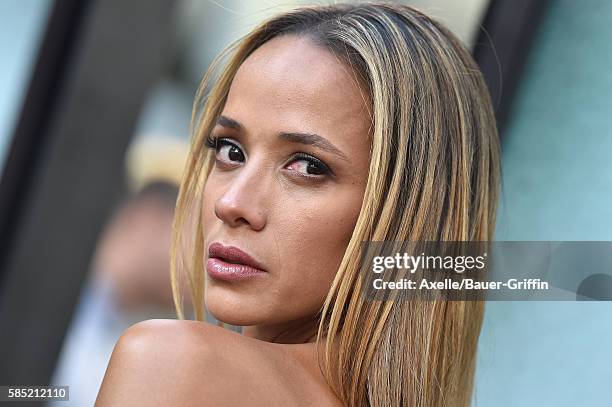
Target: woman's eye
228	152
309	166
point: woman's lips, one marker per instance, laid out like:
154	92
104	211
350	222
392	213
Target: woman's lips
230	263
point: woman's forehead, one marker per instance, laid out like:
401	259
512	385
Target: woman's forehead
293	80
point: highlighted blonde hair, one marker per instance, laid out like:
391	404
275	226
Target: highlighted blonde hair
434	175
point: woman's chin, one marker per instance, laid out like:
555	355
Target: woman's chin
234	310
231	318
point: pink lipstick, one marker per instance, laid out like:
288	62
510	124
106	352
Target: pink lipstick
229	263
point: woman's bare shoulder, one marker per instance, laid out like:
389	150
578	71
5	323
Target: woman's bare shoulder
172	362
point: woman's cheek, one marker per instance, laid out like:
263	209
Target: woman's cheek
319	243
211	192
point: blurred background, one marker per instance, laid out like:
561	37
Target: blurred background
95	104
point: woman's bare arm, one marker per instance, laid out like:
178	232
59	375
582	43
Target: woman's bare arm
190	363
151	365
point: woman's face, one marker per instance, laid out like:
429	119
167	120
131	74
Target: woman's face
292	159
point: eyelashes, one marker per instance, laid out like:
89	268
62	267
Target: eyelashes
314	165
233	151
211	142
304	164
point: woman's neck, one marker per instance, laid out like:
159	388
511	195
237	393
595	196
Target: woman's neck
298	331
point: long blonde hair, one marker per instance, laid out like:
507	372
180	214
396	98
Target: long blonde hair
434	176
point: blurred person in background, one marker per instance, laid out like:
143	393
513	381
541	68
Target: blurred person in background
130	275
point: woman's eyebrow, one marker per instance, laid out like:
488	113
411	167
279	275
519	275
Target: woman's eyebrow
314	140
227	122
294	137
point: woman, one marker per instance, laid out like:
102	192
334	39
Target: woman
328	127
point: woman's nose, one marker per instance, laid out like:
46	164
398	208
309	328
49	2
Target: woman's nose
242	202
